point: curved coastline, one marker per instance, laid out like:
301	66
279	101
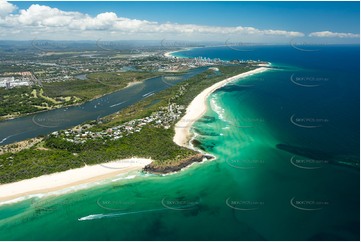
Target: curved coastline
197	108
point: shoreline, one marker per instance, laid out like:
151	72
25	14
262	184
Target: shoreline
74	178
130	84
169	54
198	107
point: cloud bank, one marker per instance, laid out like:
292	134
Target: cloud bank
329	34
40	21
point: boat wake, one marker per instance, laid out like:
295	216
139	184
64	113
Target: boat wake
148	94
117	104
114	215
6	138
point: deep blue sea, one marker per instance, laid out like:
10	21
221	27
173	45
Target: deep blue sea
287	148
322	84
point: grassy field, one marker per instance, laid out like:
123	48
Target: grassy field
96	84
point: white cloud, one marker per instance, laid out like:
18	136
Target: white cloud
44	16
6	8
40	21
329	34
45	21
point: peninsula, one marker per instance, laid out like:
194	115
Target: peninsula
159	125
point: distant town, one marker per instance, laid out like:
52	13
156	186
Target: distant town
46	67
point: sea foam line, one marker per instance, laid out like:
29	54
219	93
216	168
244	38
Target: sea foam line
198	107
217	108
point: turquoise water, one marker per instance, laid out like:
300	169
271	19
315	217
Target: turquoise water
253	190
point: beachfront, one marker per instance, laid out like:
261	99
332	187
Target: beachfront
198	107
72	178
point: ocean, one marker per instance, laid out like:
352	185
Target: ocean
286	141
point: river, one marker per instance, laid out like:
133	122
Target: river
46	122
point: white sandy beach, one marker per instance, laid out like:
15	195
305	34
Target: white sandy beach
71	178
169	54
130	84
198	107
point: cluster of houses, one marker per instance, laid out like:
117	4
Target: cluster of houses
163	118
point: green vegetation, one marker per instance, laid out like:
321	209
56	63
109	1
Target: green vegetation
62	155
152	142
25	100
21	100
96	84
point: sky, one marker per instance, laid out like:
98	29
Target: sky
238	22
